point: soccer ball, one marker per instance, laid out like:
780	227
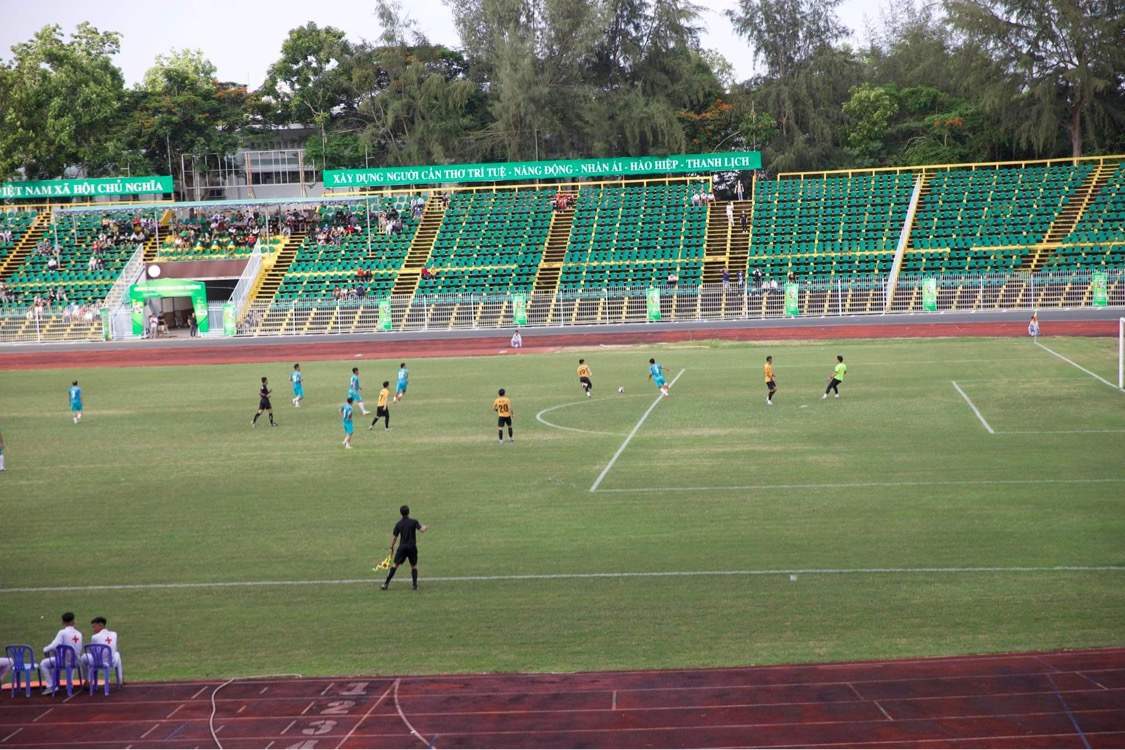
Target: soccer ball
621	390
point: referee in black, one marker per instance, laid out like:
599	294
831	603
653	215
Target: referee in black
405	532
264	404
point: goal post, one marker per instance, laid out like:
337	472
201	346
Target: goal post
1121	354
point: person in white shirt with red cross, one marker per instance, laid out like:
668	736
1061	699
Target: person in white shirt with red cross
105	637
68	636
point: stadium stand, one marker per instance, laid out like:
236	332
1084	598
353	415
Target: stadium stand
992	235
988	220
488	242
828	226
634	236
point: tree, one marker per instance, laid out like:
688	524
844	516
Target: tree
312	81
869	112
806	78
416	103
1064	59
180	110
60	96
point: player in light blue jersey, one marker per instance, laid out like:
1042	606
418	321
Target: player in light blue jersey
298	386
656	374
75	394
354	391
403	377
349	428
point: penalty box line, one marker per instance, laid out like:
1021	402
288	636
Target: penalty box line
636	428
589	576
1075	364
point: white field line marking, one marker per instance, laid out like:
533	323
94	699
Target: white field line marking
584	576
837	486
10	736
177	708
633	432
1055	432
371	710
539	417
1075	364
973	407
150	731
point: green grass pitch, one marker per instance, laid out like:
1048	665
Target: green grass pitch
620	531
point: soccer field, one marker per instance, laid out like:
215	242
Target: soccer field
961	496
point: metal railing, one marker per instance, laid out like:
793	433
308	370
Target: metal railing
816	298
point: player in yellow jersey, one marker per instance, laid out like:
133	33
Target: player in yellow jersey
503	408
382	410
767	369
584	376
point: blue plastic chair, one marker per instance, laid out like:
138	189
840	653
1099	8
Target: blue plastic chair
66	660
99	658
23	662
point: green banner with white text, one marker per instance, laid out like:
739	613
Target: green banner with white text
929	295
792	300
1101	286
519	309
652	303
86	188
385	323
336	179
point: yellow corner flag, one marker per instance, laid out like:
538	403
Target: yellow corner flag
386	564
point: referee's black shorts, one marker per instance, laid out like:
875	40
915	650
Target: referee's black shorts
264	404
407	552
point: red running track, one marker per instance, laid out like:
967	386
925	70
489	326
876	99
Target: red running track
157	353
1056	700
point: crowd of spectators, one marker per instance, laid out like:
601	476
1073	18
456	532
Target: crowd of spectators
702	197
235	229
335	223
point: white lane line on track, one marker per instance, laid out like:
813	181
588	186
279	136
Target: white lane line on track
348	736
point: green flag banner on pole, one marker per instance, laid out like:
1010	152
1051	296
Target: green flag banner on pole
103	314
385	322
230	319
929	295
519	309
1100	288
653	302
791	299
